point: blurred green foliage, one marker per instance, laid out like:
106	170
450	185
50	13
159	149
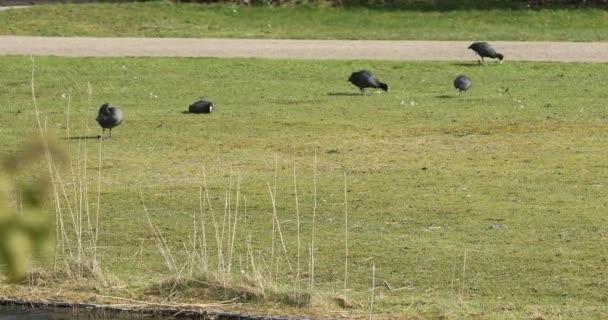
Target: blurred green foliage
24	227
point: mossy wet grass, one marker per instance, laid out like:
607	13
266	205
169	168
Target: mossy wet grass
429	173
164	19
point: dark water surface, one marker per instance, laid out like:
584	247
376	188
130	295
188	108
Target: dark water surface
37	313
22	310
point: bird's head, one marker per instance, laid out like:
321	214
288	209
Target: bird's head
104	108
500	57
384	86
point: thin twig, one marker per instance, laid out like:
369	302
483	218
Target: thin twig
203	238
274	214
236	212
371	302
464	270
345	236
295	187
314	215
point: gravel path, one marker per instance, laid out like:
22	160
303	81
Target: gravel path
298	49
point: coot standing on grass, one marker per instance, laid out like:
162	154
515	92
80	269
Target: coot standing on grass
462	83
485	50
365	79
109	117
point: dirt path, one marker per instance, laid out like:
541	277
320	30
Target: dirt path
298	49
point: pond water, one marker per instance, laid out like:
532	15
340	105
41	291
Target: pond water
23	311
13	313
29	313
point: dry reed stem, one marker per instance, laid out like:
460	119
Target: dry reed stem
203	239
464	271
345	236
311	283
50	163
190	255
70	152
57	229
276	219
159	239
272	237
236	212
220	257
371	302
75	224
166	248
295	187
254	269
193	242
98	205
227	211
177	281
452	282
79	200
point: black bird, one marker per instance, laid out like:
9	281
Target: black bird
485	50
109	117
462	83
201	106
365	79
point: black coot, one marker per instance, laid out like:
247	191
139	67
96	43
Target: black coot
462	83
201	106
485	50
365	79
109	117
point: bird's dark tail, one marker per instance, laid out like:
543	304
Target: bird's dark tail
383	86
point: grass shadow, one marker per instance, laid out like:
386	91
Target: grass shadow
467	65
188	112
343	94
81	137
294	102
446	96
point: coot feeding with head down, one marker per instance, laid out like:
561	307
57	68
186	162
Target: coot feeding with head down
485	50
462	83
365	79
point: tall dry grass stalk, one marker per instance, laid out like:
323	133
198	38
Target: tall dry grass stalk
79	261
299	246
371	297
162	245
464	272
204	254
345	236
272	235
311	281
225	232
262	270
236	216
278	225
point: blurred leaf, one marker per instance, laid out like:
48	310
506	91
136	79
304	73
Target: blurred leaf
25	231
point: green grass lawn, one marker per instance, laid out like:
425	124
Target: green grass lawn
163	19
512	173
